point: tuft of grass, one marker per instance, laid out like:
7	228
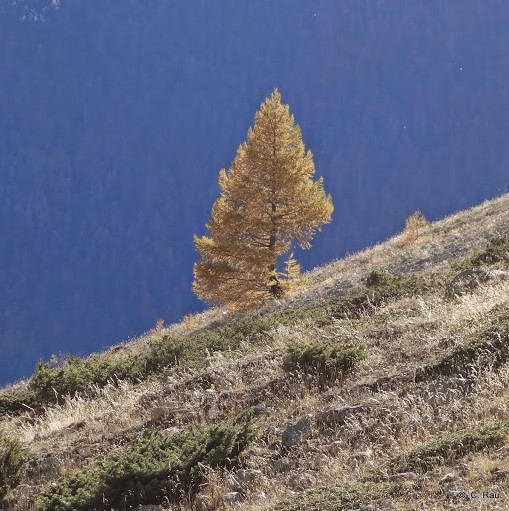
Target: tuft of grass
326	363
337	498
154	468
446	449
379	278
490	347
495	251
12	460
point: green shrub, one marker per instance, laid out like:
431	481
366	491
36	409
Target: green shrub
391	286
322	313
324	362
381	287
239	334
12	460
381	278
489	347
52	379
153	468
12	401
445	449
496	250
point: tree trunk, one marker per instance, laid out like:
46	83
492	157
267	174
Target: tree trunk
275	288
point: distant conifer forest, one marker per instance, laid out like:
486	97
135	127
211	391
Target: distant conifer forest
116	117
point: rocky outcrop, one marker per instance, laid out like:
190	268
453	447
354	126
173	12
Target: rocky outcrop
296	434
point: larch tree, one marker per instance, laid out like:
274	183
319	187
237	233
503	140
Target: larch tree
269	202
415	225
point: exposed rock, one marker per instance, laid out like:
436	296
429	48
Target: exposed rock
367	507
149	507
499	475
385	504
49	463
318	461
296	433
258	496
249	478
172	430
281	465
259	408
84	452
301	481
363	455
448	478
44	467
158	413
402	476
231	497
338	416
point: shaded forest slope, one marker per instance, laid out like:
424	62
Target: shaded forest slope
116	118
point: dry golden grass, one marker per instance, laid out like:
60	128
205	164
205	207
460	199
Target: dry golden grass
401	336
452	237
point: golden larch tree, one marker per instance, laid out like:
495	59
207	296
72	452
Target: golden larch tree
415	225
268	202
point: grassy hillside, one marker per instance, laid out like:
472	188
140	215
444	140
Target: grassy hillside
382	384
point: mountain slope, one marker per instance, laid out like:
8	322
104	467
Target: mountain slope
415	414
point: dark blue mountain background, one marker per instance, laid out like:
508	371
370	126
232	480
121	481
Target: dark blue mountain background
116	116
